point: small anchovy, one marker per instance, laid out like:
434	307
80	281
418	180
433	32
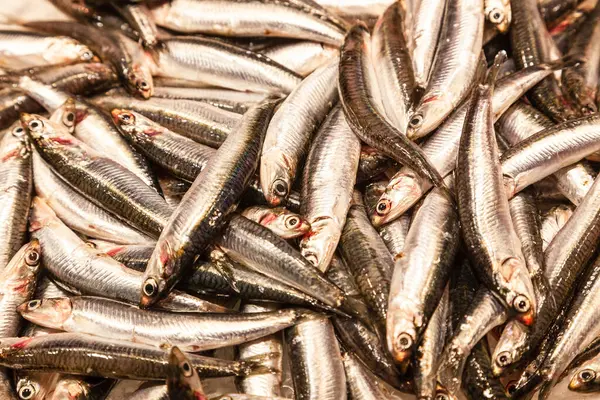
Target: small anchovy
176	154
279	220
210	61
140	19
203	209
302	57
112	47
327	185
225	99
98	177
317	367
364	385
201	122
22	49
290	130
77	212
182	381
289	19
426	31
80	268
71	353
16	181
454	67
361	111
271	349
488	229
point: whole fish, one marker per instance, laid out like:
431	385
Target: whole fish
225	99
302	57
112	319
79	268
327	186
317	368
111	47
392	66
16	182
201	122
269	347
488	229
290	130
22	49
210	61
291	19
426	31
98	177
279	220
421	273
361	110
454	67
202	210
176	154
70	353
182	381
364	385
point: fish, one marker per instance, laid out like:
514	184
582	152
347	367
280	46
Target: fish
290	19
584	379
363	384
279	220
183	381
327	186
426	31
140	19
203	209
302	57
290	130
225	99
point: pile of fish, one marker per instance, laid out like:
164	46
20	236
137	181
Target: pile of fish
278	199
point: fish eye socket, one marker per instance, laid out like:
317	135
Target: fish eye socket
416	121
521	304
32	258
70	117
26	392
383	207
496	16
87	55
35	125
187	369
504	359
127	118
150	287
511	388
280	187
292	222
144	85
18	131
587	375
312	258
33	304
404	341
441	396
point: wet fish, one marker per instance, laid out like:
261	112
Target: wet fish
226	99
279	220
302	57
364	385
183	381
140	19
426	31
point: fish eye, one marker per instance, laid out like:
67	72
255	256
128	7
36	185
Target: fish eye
127	118
187	369
292	222
521	304
312	258
33	304
280	187
587	375
36	125
496	16
18	131
144	85
26	392
504	359
383	207
404	341
150	287
32	258
87	55
511	388
416	121
442	396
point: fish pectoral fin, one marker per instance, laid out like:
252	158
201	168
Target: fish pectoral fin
227	273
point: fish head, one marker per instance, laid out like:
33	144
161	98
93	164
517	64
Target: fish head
520	297
134	125
319	243
45	133
401	193
30	388
428	115
404	321
50	313
441	393
284	223
71	388
276	175
41	214
182	379
586	378
139	81
64	50
510	347
14	144
20	274
162	264
66	115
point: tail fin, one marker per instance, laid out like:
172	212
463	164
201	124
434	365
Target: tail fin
495	68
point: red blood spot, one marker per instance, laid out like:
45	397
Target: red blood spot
430	99
22	343
80	115
10	154
62	140
200	396
526	319
34	226
152	132
267	219
164	254
115	250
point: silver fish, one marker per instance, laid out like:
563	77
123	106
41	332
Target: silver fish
364	385
226	99
302	57
426	31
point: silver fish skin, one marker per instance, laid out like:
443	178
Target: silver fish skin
302	57
69	353
290	130
289	19
16	181
225	99
212	196
22	49
553	221
454	66
521	121
190	331
421	273
548	151
317	368
353	9
258	248
392	65
176	154
77	212
282	222
361	108
484	212
210	61
430	349
426	31
81	269
97	177
484	313
196	120
140	19
364	385
407	186
270	347
327	185
241	396
90	125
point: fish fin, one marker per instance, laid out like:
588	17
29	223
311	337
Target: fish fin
227	274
